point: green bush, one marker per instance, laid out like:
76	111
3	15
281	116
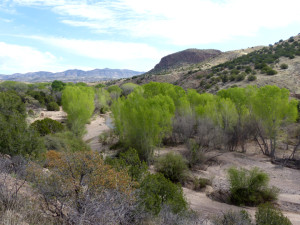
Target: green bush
267	214
250	187
58	85
47	126
252	77
284	66
157	191
241	76
65	142
200	183
15	137
194	155
52	106
129	160
172	166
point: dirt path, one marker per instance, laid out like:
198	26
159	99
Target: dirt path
94	129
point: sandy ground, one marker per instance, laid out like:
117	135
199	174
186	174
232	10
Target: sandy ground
286	179
60	115
96	127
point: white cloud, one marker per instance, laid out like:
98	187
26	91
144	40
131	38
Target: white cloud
102	49
21	59
180	22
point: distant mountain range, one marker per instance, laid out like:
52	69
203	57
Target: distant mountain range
72	75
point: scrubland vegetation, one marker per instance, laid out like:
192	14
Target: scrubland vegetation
76	185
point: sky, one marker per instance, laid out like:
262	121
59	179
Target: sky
56	35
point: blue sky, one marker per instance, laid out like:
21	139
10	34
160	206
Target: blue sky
56	35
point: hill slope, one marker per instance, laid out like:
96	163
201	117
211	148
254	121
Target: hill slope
259	65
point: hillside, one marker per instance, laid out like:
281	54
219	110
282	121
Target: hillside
259	65
183	58
72	75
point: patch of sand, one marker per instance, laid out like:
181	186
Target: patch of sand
96	127
60	115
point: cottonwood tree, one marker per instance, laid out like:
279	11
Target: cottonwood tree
271	107
78	102
142	122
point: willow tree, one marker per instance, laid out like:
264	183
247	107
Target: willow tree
78	102
142	122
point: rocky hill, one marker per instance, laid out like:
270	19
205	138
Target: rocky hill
72	75
277	64
183	58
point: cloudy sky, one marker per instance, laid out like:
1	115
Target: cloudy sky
55	35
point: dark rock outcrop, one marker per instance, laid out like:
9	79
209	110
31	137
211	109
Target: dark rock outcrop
186	57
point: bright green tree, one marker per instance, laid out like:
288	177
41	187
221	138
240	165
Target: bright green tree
78	102
143	122
103	100
272	107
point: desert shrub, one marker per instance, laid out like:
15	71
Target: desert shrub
241	76
168	217
129	160
15	136
65	142
30	112
267	214
252	77
77	182
107	137
200	183
268	70
232	77
47	126
284	66
52	106
248	70
233	218
194	154
172	166
250	187
156	191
